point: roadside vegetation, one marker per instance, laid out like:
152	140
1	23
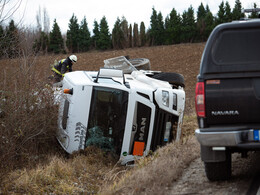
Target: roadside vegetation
27	117
93	171
155	174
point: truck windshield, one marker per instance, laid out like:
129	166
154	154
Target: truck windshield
107	119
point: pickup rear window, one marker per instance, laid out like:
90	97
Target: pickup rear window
237	47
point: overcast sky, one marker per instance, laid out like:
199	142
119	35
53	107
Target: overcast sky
135	11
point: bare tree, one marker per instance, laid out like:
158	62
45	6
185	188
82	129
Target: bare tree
9	35
39	19
42	30
46	21
43	20
8	8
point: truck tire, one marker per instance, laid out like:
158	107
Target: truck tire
173	78
141	63
219	171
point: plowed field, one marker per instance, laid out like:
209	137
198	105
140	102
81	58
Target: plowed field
183	59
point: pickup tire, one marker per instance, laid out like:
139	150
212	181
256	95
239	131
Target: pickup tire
219	171
173	78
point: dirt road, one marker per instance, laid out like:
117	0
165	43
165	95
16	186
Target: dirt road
194	180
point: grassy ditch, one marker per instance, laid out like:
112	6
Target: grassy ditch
156	173
82	173
93	171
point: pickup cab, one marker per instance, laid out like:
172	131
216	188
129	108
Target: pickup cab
228	96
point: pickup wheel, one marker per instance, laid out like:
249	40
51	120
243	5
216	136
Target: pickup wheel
174	79
219	171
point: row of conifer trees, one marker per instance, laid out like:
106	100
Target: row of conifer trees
188	27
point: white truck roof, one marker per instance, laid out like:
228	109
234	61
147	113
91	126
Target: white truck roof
80	77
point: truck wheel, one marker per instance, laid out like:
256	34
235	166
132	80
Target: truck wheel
141	63
219	171
173	78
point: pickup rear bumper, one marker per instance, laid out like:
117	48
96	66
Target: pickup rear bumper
226	138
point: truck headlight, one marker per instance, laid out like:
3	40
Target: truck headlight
165	98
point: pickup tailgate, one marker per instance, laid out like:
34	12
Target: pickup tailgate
232	101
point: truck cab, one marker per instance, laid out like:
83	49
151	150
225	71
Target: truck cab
127	114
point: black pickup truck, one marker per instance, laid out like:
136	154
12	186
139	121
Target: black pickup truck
228	96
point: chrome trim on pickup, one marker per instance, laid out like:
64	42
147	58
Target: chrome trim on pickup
224	138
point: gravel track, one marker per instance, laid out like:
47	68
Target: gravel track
194	180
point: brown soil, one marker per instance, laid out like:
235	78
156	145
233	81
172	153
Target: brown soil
183	59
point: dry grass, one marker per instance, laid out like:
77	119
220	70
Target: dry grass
93	171
39	167
155	173
82	173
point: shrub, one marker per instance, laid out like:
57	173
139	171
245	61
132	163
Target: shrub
28	117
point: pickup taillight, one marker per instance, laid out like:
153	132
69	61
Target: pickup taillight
200	99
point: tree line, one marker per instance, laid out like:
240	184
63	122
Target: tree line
188	27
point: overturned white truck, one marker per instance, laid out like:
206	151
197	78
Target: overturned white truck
123	110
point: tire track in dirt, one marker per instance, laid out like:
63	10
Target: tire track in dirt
194	180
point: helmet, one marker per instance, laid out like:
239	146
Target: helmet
73	58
